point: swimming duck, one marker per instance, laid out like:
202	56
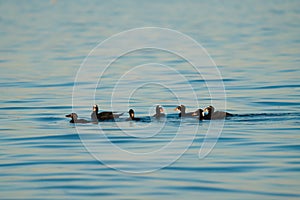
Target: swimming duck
132	117
159	112
102	116
182	113
75	119
210	113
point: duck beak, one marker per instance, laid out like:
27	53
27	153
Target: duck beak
69	115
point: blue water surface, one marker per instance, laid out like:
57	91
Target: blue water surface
255	45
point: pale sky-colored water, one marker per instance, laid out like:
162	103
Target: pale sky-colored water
255	46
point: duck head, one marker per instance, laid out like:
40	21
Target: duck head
131	114
72	115
180	108
159	109
95	108
208	111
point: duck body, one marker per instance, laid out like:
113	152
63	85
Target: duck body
75	120
103	116
209	113
182	113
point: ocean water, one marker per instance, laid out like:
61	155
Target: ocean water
254	46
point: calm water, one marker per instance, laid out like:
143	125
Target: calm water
256	48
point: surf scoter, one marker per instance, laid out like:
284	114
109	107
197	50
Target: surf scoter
74	118
102	116
159	112
182	113
132	117
209	113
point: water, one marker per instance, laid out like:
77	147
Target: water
256	48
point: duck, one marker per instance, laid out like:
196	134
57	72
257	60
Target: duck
209	113
182	113
74	119
159	112
132	117
102	116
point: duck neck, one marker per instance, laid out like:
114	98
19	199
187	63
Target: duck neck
201	115
182	111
